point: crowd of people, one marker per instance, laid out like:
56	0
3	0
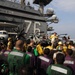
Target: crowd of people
49	56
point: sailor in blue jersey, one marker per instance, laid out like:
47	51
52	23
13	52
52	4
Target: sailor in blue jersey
5	55
16	58
44	61
69	61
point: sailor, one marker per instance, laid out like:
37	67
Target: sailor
69	61
71	45
9	44
3	61
49	45
29	59
39	49
53	37
4	69
44	61
64	47
60	46
26	70
4	53
58	68
16	58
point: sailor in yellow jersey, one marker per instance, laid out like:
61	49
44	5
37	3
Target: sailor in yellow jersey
64	47
9	44
49	46
53	37
39	49
71	45
60	47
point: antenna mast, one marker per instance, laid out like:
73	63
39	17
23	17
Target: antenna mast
23	2
42	3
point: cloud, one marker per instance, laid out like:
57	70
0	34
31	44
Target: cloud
64	28
31	1
65	5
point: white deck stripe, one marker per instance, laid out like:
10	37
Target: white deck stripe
59	69
30	55
68	62
6	52
43	58
17	54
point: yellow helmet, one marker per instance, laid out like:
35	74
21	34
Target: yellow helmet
59	42
9	38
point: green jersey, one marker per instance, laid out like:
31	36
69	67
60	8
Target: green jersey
16	60
58	70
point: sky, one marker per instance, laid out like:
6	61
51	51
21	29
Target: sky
65	11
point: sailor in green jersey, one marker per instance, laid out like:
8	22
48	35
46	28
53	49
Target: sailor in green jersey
16	58
58	68
35	52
